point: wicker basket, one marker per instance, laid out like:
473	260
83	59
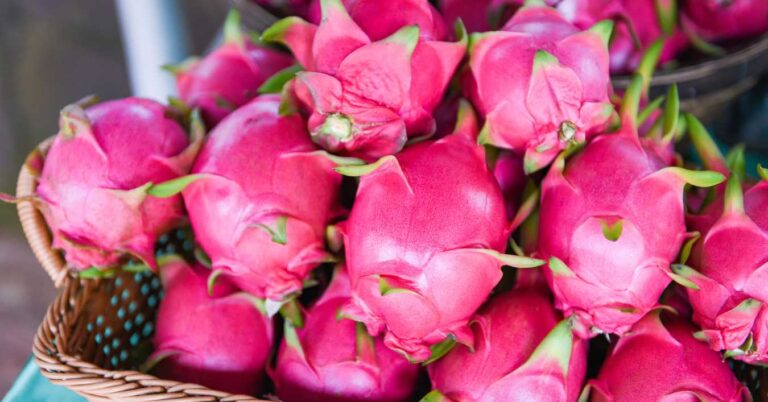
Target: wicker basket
707	88
98	331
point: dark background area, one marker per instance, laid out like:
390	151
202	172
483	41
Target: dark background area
53	52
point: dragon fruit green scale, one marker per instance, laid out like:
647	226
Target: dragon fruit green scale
540	83
366	97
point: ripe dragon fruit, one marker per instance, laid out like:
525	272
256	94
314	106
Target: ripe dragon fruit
639	23
95	186
222	341
335	360
730	262
228	77
381	18
662	361
528	358
260	199
427	225
508	170
727	19
367	95
541	84
622	212
286	7
482	15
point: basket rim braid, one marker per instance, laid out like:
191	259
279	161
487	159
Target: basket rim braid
33	223
751	60
61	328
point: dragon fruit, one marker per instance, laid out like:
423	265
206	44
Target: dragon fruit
228	77
731	263
528	358
621	210
638	24
260	199
335	360
222	341
483	15
427	225
727	19
662	361
541	84
368	95
381	18
95	186
508	170
286	7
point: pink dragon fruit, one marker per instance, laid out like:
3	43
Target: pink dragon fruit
728	296
286	7
528	358
623	215
427	225
260	199
222	341
482	15
727	19
477	15
94	188
381	18
541	84
662	361
368	95
508	170
638	24
228	77
335	360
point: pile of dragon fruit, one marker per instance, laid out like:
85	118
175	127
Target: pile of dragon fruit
356	181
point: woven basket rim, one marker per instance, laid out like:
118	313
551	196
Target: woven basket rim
34	226
94	382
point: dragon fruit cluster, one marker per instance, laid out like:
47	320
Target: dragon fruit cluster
639	23
386	207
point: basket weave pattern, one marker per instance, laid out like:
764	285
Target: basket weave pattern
98	331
